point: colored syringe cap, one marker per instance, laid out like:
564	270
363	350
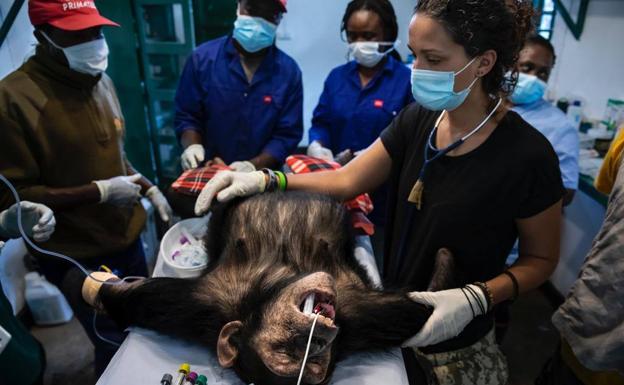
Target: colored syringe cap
192	377
184	368
201	380
166	380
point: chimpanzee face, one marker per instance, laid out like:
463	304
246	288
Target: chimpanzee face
283	335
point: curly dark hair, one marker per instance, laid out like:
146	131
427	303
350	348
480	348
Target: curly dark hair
385	11
481	25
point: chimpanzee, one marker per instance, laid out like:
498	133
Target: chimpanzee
269	254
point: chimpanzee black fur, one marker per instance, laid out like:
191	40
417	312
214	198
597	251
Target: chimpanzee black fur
259	246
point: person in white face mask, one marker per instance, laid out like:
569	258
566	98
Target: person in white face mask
62	146
361	97
535	63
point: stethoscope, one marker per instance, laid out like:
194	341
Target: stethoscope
415	196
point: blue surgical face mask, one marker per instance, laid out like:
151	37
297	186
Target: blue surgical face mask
434	89
529	89
254	33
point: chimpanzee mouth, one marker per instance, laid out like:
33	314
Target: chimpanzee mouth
321	303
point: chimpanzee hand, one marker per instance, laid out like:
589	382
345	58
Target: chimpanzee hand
453	310
227	185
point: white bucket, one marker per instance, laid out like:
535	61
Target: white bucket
197	227
46	302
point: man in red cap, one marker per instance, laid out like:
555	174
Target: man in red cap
240	98
62	139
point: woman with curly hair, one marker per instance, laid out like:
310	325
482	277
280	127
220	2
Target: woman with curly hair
465	173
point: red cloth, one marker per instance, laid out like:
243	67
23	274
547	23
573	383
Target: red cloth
191	182
359	207
68	15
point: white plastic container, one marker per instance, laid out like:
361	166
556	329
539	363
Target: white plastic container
197	227
46	302
575	114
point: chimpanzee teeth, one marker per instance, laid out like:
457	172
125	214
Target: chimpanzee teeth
308	307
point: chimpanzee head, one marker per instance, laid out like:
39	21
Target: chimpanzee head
280	249
267	345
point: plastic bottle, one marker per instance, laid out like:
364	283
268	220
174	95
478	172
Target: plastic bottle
46	302
575	113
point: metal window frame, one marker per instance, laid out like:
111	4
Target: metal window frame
575	27
539	6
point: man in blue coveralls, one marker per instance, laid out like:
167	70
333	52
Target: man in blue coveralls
240	98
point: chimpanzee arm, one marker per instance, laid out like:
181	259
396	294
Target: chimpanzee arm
371	320
167	305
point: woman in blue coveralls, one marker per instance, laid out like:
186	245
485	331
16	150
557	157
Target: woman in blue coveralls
361	98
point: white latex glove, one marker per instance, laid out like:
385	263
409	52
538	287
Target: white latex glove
450	316
160	202
245	166
37	219
227	185
316	150
121	190
193	156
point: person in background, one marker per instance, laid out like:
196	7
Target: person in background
591	319
465	173
22	360
62	145
535	64
240	98
361	98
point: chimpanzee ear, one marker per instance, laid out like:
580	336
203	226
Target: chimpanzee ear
227	351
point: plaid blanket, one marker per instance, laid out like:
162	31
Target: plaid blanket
303	164
191	182
359	207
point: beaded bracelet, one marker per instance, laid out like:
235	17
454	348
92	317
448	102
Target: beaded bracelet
271	184
488	294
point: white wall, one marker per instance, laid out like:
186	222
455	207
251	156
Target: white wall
591	69
310	33
19	43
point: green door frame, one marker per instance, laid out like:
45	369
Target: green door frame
155	90
575	27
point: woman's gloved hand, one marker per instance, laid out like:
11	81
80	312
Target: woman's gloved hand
193	156
316	150
227	185
160	202
452	311
37	219
121	190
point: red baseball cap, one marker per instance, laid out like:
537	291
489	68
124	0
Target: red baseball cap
283	3
68	15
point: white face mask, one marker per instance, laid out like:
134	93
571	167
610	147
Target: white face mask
368	54
89	58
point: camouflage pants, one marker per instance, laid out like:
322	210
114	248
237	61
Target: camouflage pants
479	364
